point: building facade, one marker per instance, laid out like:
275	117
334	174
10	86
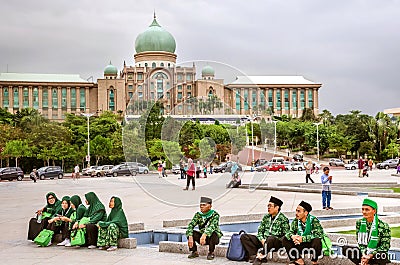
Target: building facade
155	77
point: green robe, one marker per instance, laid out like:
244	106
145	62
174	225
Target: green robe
384	236
316	230
118	217
80	209
96	211
212	226
269	226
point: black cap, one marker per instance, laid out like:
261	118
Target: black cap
205	200
276	201
306	206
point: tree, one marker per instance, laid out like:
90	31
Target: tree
17	149
101	147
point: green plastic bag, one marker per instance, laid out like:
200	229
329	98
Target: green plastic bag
84	221
78	238
44	238
46	215
326	246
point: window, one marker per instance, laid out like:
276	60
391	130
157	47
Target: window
237	100
189	94
54	98
153	65
179	87
254	102
246	99
162	64
179	95
35	98
130	95
111	101
189	77
63	98
168	95
6	102
45	98
286	99
152	95
189	87
73	98
262	99
310	99
25	97
179	77
140	95
140	76
139	87
130	87
168	86
152	85
302	100
294	100
130	77
82	99
160	89
16	98
270	98
145	64
278	99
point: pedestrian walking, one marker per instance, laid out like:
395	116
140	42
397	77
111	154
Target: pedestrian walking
159	169
75	175
198	169
309	167
164	167
34	175
370	164
211	168
190	175
205	171
360	164
326	181
182	169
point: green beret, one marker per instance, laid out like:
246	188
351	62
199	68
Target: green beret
370	203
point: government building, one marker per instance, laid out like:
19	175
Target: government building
156	77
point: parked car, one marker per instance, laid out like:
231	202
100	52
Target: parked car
351	165
260	162
176	169
230	164
101	171
11	173
390	163
50	172
298	166
336	162
271	167
142	169
298	157
288	165
226	167
123	169
89	170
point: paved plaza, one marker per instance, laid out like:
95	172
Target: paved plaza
150	199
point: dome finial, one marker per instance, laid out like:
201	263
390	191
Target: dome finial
154	13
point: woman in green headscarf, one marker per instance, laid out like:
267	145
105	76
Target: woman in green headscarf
96	212
72	221
114	228
60	222
44	215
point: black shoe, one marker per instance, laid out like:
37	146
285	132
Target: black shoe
193	255
210	256
252	258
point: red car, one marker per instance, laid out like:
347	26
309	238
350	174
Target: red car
272	167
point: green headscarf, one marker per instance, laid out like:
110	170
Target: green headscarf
67	212
80	209
52	208
95	204
118	217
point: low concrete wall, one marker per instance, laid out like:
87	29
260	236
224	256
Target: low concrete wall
136	226
129	243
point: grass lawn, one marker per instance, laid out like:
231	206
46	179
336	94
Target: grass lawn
395	231
395	190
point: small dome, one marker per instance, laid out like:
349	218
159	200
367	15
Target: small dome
207	71
110	70
155	38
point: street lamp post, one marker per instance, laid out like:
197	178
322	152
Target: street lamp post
274	135
88	115
317	124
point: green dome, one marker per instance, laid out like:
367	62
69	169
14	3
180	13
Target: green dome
207	70
155	38
110	70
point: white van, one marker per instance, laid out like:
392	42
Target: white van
277	159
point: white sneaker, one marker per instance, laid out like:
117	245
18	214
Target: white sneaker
68	244
49	243
112	248
63	243
91	247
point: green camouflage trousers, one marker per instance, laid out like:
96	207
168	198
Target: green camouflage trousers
108	236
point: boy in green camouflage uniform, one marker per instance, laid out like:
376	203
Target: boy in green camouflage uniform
208	222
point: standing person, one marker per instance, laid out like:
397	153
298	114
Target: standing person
164	167
326	181
190	175
209	232
398	168
34	175
360	164
96	213
272	228
211	168
198	169
160	169
205	171
114	228
182	169
370	164
309	167
76	172
304	235
373	238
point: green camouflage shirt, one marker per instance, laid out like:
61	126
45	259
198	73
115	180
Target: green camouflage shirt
316	230
269	226
383	236
212	225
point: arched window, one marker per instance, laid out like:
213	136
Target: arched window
153	65
16	98
162	64
35	98
145	64
210	91
25	98
160	78
6	101
111	99
54	101
45	98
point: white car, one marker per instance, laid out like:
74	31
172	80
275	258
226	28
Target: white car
288	165
298	166
351	166
143	169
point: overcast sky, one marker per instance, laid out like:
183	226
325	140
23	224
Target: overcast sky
351	47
